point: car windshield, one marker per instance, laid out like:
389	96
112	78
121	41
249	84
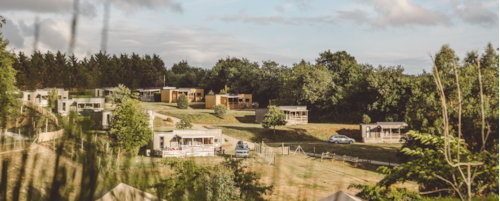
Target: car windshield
241	146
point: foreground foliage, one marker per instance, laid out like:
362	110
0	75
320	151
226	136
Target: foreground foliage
228	180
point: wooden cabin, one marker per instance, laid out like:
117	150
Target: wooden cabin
172	94
231	101
382	132
294	114
186	143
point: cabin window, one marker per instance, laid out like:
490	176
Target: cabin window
303	113
247	100
216	140
97	105
97	92
59	97
161	142
368	131
241	100
89	105
81	106
109	118
29	97
198	94
64	107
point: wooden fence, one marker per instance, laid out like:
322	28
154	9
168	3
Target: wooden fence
344	158
269	153
41	110
48	136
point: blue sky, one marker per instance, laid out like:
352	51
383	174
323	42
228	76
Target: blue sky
379	32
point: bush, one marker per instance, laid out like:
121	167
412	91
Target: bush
376	193
169	119
185	123
366	119
107	99
220	111
157	93
182	102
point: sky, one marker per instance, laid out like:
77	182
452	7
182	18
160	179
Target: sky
378	32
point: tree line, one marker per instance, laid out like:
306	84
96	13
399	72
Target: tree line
336	88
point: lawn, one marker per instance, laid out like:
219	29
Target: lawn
308	132
378	152
158	106
206	116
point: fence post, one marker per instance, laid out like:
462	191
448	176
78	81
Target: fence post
322	157
343	161
46	124
282	148
333	157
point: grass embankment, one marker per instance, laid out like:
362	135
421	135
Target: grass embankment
378	152
307	132
207	116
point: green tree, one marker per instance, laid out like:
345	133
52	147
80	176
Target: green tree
211	92
53	96
366	119
182	102
185	123
275	117
129	127
220	111
8	90
120	94
225	90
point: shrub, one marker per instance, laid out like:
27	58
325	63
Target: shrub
220	111
182	102
211	92
185	123
366	119
169	119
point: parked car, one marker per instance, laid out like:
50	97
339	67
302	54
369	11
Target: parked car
85	112
341	139
242	149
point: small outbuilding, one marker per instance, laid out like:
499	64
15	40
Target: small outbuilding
382	132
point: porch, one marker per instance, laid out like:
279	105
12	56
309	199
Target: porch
296	116
187	146
147	95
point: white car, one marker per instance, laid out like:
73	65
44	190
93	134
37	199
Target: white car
341	139
242	149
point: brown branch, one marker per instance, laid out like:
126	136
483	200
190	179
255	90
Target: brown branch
429	192
459	111
459	194
482	99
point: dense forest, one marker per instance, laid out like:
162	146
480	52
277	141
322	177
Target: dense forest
336	88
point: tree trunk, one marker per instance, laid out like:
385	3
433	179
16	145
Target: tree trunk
274	130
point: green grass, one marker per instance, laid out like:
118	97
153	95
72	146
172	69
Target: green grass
488	198
207	116
307	132
158	106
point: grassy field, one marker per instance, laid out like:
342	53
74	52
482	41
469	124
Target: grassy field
206	116
162	125
378	152
307	132
158	106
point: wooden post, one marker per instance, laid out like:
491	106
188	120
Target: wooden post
282	148
314	148
333	157
322	157
343	159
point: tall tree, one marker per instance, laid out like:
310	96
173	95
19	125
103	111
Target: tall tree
275	117
130	127
8	89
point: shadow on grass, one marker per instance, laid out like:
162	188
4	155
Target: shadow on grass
352	133
197	105
249	119
267	135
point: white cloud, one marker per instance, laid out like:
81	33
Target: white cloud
12	33
401	13
475	13
265	20
87	8
132	5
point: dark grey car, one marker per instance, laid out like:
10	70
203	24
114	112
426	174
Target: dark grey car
341	139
